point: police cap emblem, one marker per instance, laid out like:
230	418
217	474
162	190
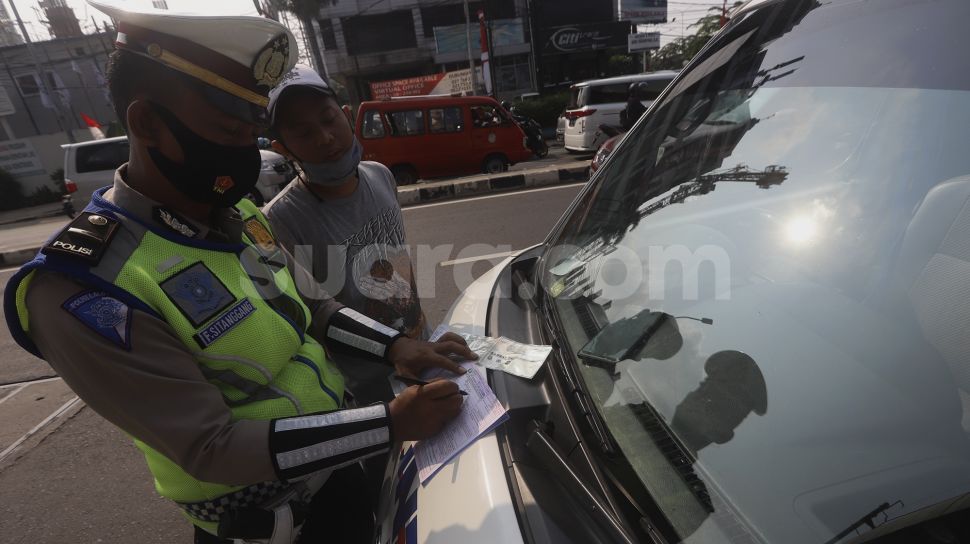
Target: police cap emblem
271	62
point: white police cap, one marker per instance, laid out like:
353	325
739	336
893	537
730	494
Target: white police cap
300	76
240	56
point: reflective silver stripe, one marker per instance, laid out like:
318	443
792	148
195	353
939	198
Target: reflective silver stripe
266	374
234	359
169	263
333	418
368	322
332	448
357	341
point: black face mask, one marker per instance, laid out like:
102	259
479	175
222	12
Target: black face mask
213	174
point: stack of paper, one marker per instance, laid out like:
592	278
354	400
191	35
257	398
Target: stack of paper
480	413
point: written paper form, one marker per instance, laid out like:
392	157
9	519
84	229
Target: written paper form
480	413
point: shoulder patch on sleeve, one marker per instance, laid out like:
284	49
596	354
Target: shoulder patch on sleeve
84	238
260	235
103	314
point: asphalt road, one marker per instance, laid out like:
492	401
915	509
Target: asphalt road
86	482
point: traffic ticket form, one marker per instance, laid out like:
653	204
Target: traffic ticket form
480	413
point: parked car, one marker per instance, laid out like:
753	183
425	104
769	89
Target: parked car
89	166
426	137
600	101
561	129
758	308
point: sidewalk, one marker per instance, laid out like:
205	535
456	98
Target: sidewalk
22	236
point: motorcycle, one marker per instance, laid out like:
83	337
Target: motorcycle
613	135
67	206
533	133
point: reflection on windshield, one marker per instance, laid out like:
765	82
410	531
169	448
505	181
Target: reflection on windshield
783	225
732	388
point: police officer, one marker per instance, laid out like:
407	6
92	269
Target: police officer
169	309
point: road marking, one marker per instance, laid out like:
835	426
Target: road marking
31	382
18	389
502	195
65	407
479	258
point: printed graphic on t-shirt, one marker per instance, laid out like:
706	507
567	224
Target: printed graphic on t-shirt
379	264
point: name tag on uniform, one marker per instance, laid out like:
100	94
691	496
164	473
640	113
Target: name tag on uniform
225	323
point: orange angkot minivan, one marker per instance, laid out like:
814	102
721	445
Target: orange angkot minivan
436	136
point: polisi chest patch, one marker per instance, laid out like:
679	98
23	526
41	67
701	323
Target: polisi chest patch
85	238
197	293
104	314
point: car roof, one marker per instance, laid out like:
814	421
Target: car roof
425	100
664	74
96	142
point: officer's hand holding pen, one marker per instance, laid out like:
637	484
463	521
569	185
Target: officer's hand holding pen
420	412
414	381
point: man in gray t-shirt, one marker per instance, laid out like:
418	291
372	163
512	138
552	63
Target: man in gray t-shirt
341	218
355	246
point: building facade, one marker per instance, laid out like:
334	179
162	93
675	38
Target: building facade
535	44
74	73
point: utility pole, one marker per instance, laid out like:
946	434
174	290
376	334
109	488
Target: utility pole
468	43
41	74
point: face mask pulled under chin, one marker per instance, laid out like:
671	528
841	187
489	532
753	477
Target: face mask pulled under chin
211	173
332	174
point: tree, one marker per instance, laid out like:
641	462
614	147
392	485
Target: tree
677	53
307	11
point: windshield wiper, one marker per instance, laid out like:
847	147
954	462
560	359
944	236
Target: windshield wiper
575	389
547	453
868	520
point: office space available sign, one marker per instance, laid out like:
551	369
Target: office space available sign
459	81
575	38
19	158
643	11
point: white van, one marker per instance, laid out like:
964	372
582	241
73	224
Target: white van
89	166
600	101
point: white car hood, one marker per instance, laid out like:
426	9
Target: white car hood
468	501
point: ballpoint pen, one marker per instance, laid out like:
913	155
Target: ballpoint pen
414	381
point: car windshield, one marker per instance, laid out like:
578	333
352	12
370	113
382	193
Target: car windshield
767	287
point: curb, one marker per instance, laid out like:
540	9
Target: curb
423	193
481	185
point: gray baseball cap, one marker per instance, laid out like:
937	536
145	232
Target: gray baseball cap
301	76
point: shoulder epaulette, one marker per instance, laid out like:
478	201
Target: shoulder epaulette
84	238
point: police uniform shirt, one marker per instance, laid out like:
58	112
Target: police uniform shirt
156	391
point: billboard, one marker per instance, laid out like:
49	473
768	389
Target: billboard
643	11
644	41
452	39
577	38
444	83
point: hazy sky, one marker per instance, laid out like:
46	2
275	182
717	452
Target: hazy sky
684	11
31	14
